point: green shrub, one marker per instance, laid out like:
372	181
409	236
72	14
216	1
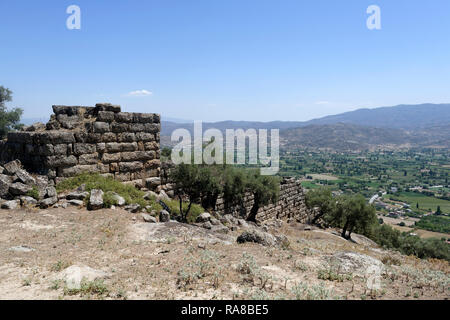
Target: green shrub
96	287
128	192
435	223
390	238
109	200
194	212
34	193
107	184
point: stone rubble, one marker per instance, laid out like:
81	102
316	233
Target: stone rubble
96	199
17	185
164	216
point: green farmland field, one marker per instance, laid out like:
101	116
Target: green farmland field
426	203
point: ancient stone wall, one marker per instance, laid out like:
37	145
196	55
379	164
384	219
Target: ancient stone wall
291	204
99	139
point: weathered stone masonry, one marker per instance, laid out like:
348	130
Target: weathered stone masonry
291	204
123	145
99	139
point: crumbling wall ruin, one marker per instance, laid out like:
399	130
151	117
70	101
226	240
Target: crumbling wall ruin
290	204
99	139
122	145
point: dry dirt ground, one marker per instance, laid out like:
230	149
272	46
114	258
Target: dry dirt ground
138	260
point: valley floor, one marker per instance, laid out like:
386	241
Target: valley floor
122	257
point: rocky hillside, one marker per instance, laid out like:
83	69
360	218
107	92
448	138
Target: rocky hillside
72	253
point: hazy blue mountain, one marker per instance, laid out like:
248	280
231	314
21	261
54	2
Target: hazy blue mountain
345	136
167	127
403	125
409	117
398	117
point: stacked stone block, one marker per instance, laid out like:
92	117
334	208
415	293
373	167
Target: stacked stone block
290	205
99	139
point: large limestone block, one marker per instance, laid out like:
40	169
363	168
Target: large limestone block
96	199
76	170
126	137
5	182
21	137
129	146
143	117
55	137
12	167
126	117
105	116
24	177
153	127
88	159
111	157
107	107
101	127
84	148
19	189
119	127
60	161
130	166
145	137
109	137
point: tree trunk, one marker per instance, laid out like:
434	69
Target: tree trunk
344	230
209	201
181	208
349	233
253	212
317	217
187	211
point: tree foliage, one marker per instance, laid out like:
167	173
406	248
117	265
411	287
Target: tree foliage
190	181
322	199
408	244
166	152
265	190
353	214
9	120
435	223
205	183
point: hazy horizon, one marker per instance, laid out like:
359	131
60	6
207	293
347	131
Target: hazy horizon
30	120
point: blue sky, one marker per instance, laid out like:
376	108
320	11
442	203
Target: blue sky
230	59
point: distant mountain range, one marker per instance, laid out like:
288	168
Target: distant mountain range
425	125
398	117
350	137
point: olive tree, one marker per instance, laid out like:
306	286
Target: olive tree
192	182
9	120
322	199
205	183
352	213
349	212
265	190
